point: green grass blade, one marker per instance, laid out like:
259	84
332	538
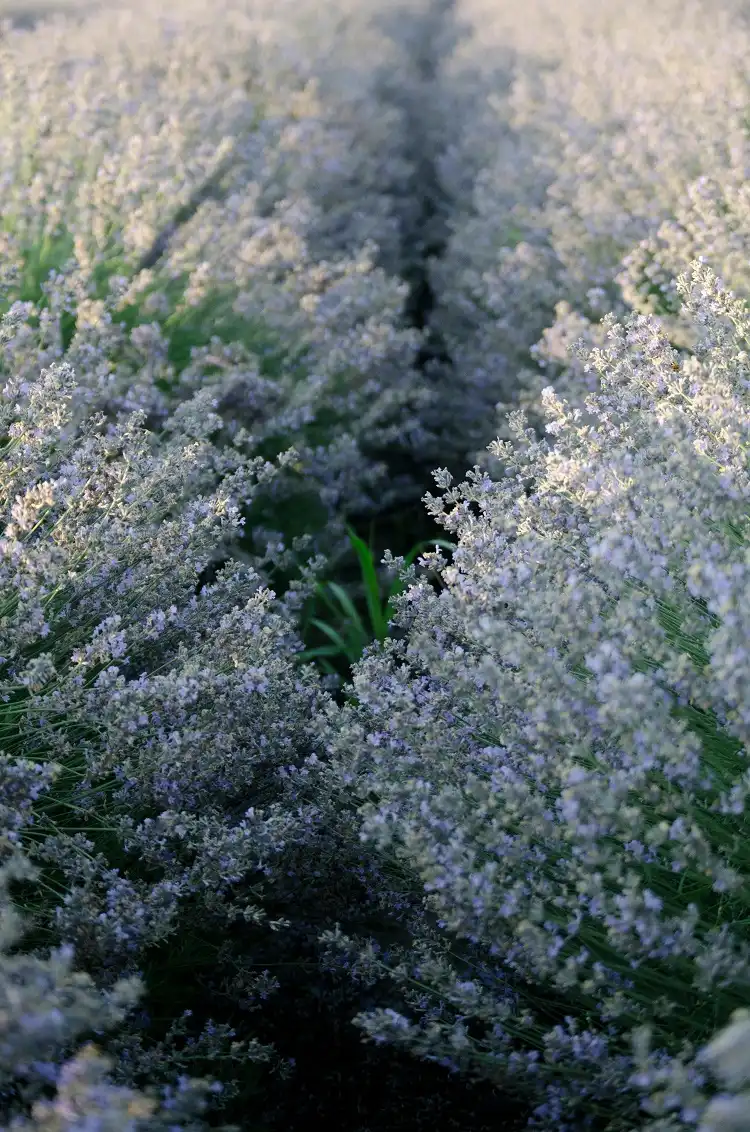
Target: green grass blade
349	608
332	635
371	584
320	651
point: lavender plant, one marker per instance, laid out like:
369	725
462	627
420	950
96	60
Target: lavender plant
45	1009
557	748
184	201
584	150
710	223
134	113
156	760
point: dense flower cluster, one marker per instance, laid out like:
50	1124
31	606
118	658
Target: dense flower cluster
595	125
262	263
120	671
158	762
209	206
558	744
45	1006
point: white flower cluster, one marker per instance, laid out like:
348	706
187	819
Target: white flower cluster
157	754
214	221
558	744
190	209
138	706
592	123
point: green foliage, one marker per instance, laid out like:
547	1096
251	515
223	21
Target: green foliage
351	629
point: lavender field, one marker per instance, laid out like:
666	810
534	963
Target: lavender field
374	566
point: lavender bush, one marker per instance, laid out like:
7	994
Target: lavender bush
157	763
183	197
260	263
585	148
557	747
45	1007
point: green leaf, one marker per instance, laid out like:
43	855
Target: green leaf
331	633
372	585
320	650
348	607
